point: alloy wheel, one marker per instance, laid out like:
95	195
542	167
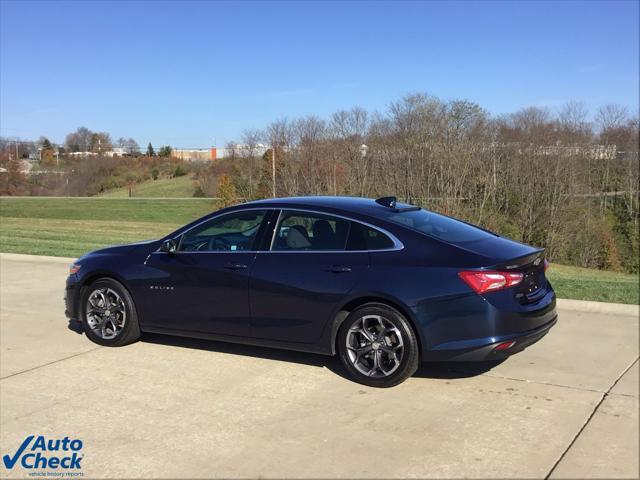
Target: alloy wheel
105	313
374	346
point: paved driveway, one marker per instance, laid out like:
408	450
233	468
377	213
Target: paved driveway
171	407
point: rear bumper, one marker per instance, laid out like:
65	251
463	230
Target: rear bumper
488	352
471	327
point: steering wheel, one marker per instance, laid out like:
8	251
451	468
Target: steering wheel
200	247
216	244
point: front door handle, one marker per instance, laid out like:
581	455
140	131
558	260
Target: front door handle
235	266
339	269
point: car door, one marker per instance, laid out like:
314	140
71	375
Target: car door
204	285
296	284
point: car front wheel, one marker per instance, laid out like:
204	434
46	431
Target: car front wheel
109	315
377	346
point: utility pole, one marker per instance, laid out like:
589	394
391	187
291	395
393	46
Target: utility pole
16	150
273	169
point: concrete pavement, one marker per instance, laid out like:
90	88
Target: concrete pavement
168	407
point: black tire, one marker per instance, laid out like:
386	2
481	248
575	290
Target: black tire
130	331
387	350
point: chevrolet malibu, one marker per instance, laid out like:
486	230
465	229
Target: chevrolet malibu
381	284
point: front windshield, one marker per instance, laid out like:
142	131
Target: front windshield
439	226
233	232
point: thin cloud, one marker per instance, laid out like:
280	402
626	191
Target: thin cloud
296	92
548	103
340	86
592	68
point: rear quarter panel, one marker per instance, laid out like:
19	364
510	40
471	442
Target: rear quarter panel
423	280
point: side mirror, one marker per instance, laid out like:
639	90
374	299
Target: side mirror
169	246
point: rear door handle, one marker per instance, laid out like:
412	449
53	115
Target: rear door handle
235	266
339	269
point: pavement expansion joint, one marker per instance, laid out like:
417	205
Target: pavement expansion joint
593	412
50	363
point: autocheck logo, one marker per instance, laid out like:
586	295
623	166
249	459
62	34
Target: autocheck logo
38	452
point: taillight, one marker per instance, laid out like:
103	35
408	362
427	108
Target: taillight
489	281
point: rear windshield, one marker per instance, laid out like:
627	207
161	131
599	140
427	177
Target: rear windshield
439	226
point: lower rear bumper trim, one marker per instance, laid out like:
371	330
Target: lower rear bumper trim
488	352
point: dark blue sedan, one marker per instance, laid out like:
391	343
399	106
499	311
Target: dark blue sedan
381	284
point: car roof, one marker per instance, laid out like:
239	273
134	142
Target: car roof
364	206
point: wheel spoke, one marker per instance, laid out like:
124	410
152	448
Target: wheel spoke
391	353
96	296
99	322
366	333
114	324
392	349
376	363
362	351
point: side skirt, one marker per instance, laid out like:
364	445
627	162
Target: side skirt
258	342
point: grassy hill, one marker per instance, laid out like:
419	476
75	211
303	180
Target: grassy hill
70	227
590	284
162	188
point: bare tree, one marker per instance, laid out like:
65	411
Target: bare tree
79	141
611	116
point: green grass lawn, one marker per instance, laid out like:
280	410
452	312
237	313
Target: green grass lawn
598	285
70	227
164	187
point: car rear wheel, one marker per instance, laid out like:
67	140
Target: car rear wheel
109	315
377	346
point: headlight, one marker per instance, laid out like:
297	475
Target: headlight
74	268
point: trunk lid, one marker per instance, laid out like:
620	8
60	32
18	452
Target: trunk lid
507	255
534	284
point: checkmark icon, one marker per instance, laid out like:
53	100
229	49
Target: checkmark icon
10	462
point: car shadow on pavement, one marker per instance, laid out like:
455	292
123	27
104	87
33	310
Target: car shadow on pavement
451	370
426	370
441	370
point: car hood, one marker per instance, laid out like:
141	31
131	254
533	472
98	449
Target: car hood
125	249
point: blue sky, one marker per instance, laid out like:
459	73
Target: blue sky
190	74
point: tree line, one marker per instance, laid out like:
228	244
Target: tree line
558	180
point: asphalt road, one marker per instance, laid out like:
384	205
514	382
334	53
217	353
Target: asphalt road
171	407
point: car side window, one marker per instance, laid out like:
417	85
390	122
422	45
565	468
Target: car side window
232	232
362	237
310	231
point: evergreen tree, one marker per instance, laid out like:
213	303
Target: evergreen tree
165	151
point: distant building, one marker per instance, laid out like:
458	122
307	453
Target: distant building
117	152
215	153
596	152
194	154
243	150
82	154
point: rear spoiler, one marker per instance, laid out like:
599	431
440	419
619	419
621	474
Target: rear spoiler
530	260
